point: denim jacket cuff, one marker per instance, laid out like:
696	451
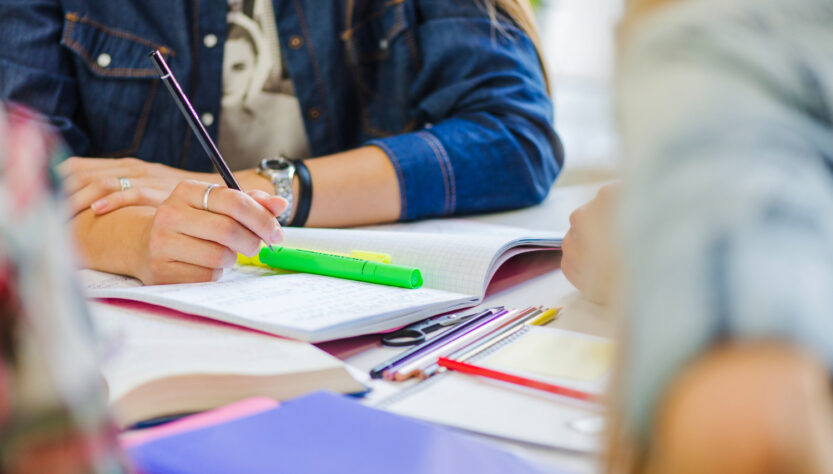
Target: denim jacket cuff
426	178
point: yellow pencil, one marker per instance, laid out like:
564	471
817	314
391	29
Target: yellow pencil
546	317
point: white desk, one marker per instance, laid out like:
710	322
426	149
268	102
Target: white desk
550	289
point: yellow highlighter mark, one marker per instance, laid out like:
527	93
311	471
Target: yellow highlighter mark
251	261
358	254
372	256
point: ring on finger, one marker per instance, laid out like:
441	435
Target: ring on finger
206	194
124	183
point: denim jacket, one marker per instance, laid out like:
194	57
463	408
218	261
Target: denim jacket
458	103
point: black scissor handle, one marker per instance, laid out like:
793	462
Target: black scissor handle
403	337
416	333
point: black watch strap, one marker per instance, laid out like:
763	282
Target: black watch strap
304	197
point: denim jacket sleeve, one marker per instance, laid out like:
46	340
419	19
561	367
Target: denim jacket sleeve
727	125
489	144
37	71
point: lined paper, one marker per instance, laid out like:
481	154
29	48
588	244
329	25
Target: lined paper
456	258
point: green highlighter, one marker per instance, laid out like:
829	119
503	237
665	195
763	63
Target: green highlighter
308	261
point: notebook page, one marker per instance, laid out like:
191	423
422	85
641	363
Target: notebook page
142	347
453	255
95	280
299	305
456	258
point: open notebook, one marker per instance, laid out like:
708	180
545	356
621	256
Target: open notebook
156	363
457	259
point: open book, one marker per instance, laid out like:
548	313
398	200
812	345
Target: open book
158	364
457	258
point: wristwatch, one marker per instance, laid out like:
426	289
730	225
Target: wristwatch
280	171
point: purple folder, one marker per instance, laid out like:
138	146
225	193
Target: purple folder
324	433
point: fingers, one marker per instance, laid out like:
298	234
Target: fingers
77	164
207	226
578	221
77	173
275	204
189	245
83	198
170	245
570	266
234	204
167	272
135	196
76	182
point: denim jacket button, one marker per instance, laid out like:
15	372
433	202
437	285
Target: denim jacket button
209	40
296	42
103	60
207	119
314	113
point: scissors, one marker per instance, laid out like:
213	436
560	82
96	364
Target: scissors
415	333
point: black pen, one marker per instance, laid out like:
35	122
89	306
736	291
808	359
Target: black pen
191	117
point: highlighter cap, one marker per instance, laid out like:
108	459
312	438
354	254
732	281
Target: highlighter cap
396	275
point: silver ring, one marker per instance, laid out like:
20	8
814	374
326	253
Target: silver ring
205	195
125	184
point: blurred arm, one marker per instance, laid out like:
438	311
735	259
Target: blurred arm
727	211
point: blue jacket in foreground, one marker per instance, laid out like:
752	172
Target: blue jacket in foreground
459	106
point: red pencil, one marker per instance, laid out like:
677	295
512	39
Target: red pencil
516	379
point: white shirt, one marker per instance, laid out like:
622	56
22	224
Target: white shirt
260	116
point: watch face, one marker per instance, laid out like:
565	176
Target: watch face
277	165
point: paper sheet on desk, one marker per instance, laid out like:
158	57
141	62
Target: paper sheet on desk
495	408
556	353
501	410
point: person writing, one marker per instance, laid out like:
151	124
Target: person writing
394	110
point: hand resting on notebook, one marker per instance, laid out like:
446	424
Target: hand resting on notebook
179	241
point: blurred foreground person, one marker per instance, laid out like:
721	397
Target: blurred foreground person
726	110
52	406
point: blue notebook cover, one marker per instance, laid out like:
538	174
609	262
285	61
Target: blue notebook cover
324	433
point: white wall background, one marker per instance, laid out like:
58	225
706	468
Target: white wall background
578	38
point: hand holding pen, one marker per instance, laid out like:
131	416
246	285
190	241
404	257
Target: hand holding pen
199	229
